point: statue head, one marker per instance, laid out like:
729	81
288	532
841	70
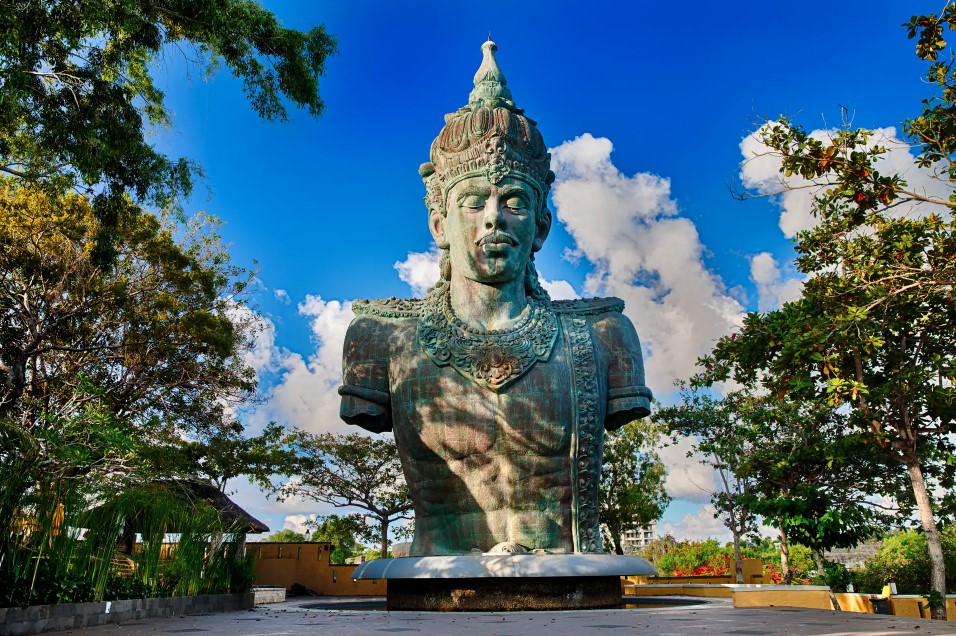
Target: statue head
487	184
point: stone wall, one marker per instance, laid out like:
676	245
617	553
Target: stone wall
21	621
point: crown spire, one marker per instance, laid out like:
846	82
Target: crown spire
491	87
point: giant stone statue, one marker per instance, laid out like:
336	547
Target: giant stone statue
498	397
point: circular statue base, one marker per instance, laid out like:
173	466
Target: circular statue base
504	594
504	582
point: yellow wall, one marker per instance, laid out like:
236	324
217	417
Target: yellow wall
812	599
912	607
307	564
898	606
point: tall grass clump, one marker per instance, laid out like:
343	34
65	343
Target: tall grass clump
62	515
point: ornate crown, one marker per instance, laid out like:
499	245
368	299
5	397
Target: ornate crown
489	137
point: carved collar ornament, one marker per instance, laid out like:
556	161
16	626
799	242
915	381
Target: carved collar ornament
489	137
491	359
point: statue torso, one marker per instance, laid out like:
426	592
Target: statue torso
483	466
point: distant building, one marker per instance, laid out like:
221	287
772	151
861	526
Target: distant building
637	539
854	557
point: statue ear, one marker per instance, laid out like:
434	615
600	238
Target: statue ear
436	225
544	228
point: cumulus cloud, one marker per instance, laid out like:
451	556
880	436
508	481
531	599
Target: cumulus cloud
297	523
760	171
773	288
698	526
628	228
687	477
419	271
282	296
306	395
262	352
559	289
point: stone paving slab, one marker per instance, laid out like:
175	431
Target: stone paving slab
716	616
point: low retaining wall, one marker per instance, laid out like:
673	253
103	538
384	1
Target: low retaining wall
22	621
266	595
809	596
911	605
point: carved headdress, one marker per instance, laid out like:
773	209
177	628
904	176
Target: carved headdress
490	137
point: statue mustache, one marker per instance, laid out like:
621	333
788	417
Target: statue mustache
497	236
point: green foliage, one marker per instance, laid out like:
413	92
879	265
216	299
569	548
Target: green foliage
904	559
632	490
285	536
109	378
47	560
873	334
835	576
683	558
341	532
352	471
78	100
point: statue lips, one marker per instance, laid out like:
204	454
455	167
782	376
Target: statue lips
496	242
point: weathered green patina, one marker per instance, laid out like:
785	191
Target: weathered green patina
497	396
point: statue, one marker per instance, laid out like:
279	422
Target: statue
497	396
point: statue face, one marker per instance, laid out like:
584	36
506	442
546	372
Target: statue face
490	230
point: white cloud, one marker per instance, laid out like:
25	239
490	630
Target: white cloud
306	395
282	296
687	477
559	289
628	227
297	523
262	353
698	526
760	171
419	270
773	289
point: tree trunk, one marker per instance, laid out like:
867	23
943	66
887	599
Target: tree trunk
738	559
818	560
785	558
384	554
936	562
616	539
821	564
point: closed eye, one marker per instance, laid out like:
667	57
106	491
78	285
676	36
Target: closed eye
472	202
516	203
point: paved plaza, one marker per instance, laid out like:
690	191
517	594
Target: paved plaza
349	617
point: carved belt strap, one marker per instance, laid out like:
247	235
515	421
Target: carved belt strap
587	437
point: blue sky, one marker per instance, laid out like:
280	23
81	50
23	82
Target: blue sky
325	208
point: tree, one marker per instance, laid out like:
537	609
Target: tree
712	426
286	535
874	330
77	99
227	453
151	339
110	377
341	533
632	490
352	471
792	463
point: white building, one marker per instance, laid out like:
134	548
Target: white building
636	539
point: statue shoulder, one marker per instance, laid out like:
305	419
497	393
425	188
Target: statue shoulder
388	307
588	306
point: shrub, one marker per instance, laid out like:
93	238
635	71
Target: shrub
904	559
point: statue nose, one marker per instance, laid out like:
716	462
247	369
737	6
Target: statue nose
493	213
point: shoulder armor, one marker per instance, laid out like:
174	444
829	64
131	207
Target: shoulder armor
588	306
388	307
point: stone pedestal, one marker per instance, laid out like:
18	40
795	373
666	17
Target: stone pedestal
504	582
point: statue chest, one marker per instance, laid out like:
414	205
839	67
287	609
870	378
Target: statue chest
439	414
